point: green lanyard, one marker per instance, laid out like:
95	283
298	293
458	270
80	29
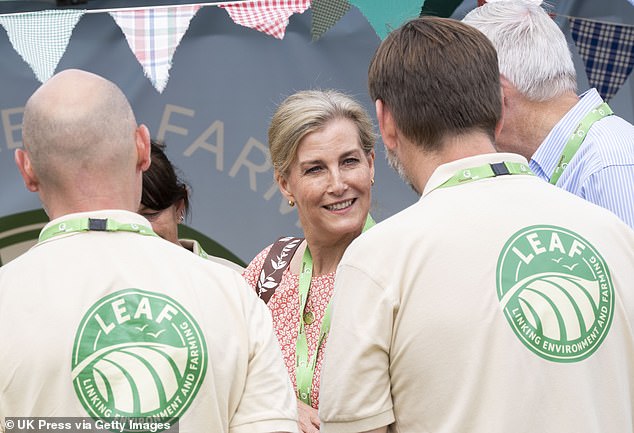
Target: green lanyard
486	171
93	224
304	367
577	137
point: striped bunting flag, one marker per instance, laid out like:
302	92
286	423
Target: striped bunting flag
41	37
607	51
153	35
267	16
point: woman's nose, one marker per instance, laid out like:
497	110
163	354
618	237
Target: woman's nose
338	184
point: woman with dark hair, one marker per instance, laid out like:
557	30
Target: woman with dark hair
165	203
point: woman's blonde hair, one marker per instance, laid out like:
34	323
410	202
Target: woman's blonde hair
308	111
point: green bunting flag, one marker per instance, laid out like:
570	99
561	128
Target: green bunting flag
326	13
440	8
387	15
41	37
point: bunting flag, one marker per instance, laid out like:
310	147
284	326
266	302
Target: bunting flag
267	16
153	35
326	13
41	37
607	51
384	16
440	8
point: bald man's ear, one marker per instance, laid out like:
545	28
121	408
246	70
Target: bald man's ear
23	162
143	147
386	125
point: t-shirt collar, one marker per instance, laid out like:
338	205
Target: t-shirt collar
445	171
121	216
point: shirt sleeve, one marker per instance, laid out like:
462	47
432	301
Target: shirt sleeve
268	401
355	394
611	188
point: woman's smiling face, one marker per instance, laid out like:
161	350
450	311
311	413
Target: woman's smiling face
330	180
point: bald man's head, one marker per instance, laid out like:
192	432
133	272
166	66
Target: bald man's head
79	124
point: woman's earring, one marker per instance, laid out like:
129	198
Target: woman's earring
372	181
291	203
181	217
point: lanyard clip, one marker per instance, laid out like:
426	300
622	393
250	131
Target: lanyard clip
499	169
97	224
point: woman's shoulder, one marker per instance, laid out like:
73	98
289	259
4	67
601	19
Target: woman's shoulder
252	270
284	248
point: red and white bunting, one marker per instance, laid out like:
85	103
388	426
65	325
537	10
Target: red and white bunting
267	16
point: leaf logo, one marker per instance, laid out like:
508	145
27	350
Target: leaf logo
556	292
138	354
563	306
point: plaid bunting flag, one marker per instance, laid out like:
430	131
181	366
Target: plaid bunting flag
153	35
326	13
607	51
41	37
385	16
267	16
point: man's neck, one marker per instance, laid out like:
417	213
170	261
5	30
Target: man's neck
59	206
424	163
539	118
325	255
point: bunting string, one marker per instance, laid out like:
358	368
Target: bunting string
154	32
124	9
594	20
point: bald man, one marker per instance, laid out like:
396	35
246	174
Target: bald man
104	319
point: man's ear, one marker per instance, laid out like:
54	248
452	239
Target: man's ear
386	125
23	162
282	182
509	92
500	124
143	147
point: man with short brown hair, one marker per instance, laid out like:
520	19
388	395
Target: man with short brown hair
494	304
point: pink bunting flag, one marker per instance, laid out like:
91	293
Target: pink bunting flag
153	35
267	16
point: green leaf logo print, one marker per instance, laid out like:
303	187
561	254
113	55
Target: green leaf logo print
138	354
556	292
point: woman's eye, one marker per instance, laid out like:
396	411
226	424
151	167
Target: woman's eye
313	169
350	161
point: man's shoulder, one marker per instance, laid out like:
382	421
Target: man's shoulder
386	235
610	141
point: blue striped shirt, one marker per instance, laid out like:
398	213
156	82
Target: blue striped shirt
602	171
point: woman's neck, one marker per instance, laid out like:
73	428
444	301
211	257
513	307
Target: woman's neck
325	256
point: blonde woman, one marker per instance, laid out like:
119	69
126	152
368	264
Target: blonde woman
322	148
